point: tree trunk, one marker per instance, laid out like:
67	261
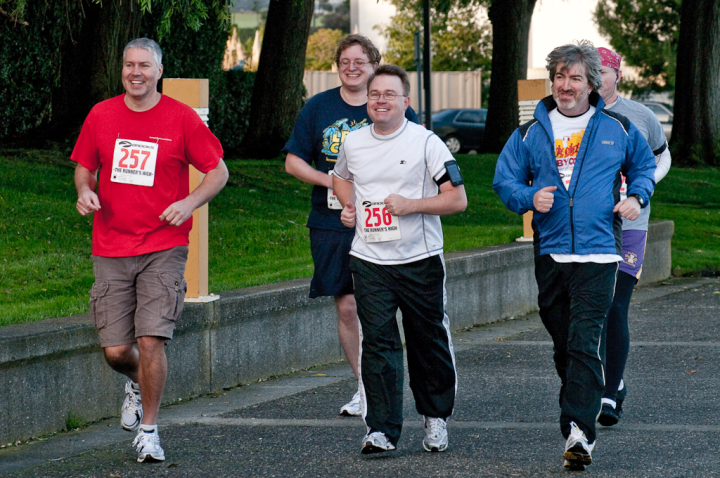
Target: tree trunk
696	124
70	99
277	95
511	31
91	63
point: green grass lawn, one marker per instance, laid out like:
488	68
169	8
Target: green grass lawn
691	198
257	228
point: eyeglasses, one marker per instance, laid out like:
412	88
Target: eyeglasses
358	63
390	95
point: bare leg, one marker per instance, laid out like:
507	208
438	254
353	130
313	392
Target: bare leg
349	329
152	373
124	359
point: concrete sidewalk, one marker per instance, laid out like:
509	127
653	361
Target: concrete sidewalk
505	421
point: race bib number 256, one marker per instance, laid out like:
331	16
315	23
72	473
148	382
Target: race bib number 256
378	225
134	162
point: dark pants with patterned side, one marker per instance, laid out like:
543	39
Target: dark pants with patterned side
617	330
418	290
617	336
574	299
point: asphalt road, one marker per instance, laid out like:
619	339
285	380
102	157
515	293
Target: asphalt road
505	422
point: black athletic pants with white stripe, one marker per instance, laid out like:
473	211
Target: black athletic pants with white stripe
418	289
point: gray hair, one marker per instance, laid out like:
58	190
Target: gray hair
583	53
145	44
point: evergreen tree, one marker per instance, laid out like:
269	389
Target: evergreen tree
645	33
460	41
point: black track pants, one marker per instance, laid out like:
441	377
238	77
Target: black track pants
418	289
574	300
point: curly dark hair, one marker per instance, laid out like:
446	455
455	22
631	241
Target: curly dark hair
354	39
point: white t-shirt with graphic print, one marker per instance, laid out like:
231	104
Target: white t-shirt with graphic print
568	132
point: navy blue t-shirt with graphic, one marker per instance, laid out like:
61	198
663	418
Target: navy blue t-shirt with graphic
319	131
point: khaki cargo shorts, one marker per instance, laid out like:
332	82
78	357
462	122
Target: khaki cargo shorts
138	296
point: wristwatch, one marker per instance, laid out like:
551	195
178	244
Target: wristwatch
639	199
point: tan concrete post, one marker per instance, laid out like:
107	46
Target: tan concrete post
195	93
530	92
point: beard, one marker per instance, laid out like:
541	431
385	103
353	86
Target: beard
570	103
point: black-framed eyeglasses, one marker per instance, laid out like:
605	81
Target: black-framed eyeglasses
390	95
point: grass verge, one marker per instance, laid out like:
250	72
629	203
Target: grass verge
691	198
257	228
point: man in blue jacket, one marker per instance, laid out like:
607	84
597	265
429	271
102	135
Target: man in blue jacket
565	166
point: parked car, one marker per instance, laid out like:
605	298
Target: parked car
462	130
664	115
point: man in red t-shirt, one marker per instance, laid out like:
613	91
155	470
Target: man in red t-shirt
138	146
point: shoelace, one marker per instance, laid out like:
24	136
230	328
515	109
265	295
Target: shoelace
134	400
575	431
435	427
144	439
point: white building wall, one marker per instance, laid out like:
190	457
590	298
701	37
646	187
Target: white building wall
366	14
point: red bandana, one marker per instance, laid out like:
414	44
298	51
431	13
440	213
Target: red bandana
610	58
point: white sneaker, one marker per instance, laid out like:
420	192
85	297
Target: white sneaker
131	412
376	442
148	446
352	408
436	437
577	449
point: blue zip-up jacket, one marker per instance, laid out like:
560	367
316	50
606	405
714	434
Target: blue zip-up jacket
581	220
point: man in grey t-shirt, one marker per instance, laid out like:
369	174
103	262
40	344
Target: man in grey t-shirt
634	239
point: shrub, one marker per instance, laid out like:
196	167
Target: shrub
30	59
230	96
320	52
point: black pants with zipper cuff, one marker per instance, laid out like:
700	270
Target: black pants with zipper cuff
418	290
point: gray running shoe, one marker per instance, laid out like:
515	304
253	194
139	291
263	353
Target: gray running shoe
352	408
577	449
148	447
376	442
436	437
131	412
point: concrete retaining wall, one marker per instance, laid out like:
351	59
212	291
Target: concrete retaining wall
658	261
55	367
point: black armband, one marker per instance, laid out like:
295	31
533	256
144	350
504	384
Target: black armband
452	174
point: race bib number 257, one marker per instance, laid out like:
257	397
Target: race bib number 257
134	162
378	225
